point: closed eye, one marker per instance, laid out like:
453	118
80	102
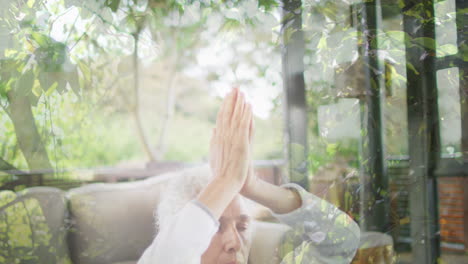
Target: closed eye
242	227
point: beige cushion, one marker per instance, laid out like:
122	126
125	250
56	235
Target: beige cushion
113	222
266	241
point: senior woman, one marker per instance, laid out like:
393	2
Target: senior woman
214	227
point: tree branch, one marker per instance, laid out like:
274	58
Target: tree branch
135	107
8	168
170	104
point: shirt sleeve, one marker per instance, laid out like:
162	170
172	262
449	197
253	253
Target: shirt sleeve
183	238
321	233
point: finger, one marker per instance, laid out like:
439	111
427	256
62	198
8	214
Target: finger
212	141
244	105
251	129
247	119
237	114
211	154
213	135
230	104
222	110
220	113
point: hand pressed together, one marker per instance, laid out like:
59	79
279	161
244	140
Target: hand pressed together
230	143
231	162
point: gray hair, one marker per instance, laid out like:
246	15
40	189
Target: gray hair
184	187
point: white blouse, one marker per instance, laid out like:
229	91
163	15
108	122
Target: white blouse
320	231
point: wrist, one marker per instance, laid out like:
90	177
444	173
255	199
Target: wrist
218	194
251	186
280	200
228	183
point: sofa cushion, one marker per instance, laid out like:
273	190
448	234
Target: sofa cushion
114	222
33	227
266	241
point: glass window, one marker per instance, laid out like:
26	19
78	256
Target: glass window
449	111
392	48
446	33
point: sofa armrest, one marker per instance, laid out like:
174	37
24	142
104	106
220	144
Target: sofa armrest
266	239
34	223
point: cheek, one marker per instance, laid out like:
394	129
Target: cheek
214	250
246	244
247	236
247	241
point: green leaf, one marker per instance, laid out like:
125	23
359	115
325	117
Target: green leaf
36	90
8	68
330	12
231	25
397	35
401	3
287	34
51	89
61	83
113	4
24	84
351	35
331	149
448	49
267	4
73	80
31	3
3	89
464	51
411	66
322	43
84	70
10	84
428	43
51	56
41	39
46	80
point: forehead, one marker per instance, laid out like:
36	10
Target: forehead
236	209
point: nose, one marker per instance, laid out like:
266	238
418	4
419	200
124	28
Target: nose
231	240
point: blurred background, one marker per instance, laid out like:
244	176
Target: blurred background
360	102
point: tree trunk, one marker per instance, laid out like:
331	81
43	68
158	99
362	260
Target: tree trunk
170	106
136	109
27	134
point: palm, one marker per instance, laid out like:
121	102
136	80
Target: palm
229	147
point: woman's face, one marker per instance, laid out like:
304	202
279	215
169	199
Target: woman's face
231	244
